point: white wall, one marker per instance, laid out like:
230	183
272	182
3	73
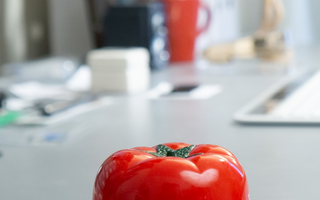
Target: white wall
224	25
315	15
250	14
301	19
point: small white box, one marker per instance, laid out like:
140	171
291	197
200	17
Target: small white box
119	69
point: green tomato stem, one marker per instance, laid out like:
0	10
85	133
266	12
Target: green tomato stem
164	151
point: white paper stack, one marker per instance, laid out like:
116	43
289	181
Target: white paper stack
119	69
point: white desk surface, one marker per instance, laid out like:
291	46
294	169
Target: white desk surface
281	162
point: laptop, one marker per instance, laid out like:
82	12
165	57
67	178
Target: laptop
294	99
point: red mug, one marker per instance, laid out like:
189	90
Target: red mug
182	18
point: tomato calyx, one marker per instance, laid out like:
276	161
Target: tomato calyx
164	151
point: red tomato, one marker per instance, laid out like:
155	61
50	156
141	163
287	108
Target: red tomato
172	171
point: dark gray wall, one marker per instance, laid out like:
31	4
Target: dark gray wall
70	33
1	35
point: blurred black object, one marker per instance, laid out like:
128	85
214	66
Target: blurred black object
52	107
2	99
98	10
139	26
184	88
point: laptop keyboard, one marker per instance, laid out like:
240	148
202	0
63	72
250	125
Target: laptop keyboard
304	102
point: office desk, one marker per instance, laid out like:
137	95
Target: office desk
281	162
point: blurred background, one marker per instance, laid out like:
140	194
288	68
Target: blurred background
34	28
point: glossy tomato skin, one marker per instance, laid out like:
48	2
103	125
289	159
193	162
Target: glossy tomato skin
213	173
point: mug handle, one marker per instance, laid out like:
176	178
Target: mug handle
209	17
